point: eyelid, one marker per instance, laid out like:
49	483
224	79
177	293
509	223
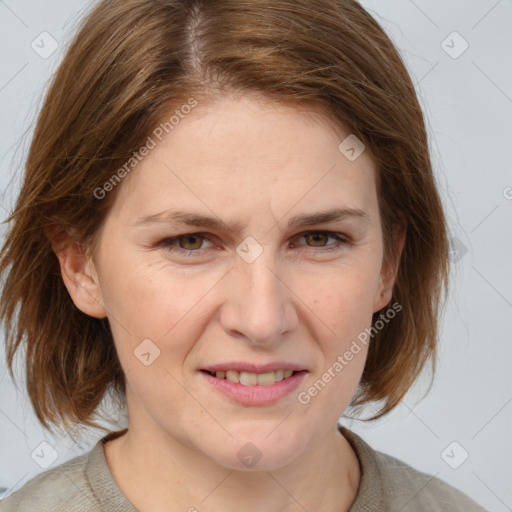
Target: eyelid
167	241
331	234
342	240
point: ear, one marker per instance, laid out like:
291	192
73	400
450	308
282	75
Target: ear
78	272
389	270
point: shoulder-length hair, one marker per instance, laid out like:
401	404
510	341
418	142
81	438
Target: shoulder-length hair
130	65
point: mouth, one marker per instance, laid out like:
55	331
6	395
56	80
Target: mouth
253	379
253	389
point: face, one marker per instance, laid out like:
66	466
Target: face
212	255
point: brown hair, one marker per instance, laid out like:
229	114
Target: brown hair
130	64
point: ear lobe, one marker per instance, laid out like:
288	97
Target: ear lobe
79	274
389	271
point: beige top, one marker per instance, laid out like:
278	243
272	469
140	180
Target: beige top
85	484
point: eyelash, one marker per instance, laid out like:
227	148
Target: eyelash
169	244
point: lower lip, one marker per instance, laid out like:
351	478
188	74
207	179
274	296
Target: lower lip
256	395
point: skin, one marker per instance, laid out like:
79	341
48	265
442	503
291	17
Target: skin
246	160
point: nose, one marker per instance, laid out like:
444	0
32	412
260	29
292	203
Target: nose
259	306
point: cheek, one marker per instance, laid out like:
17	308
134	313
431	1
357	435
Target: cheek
142	292
340	297
147	297
342	302
156	302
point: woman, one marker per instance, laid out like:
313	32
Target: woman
229	219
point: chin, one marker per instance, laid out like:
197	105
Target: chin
261	452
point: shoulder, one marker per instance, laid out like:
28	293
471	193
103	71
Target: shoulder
63	488
394	485
415	490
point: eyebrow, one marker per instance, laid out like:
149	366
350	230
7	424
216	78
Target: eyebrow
205	221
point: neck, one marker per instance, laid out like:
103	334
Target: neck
157	473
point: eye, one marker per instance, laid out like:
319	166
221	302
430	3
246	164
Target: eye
317	238
185	244
321	238
192	244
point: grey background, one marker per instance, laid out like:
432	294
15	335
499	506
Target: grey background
468	103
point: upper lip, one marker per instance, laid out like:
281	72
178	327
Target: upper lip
241	366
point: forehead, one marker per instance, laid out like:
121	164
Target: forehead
248	154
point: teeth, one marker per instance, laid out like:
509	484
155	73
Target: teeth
252	379
232	376
248	379
265	379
